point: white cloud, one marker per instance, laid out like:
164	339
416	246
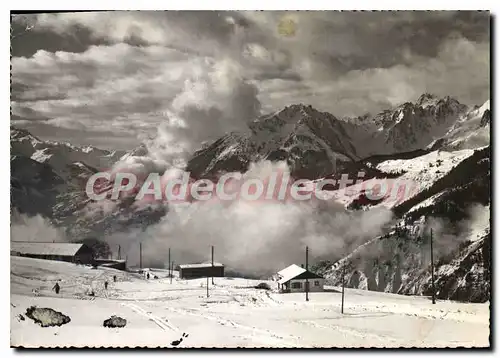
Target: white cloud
255	237
212	71
34	229
120	85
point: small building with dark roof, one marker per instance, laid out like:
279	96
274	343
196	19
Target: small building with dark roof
188	271
295	278
59	251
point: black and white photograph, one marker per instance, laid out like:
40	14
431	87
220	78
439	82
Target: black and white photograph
250	179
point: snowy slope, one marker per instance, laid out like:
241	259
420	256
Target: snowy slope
425	170
456	202
235	314
400	263
471	130
404	179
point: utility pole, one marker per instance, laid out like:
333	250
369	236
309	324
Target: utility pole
140	255
307	269
212	264
169	266
119	253
172	272
207	286
432	274
343	285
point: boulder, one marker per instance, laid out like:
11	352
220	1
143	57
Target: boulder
46	317
115	321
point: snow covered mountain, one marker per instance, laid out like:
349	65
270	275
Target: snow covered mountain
438	144
471	130
312	142
49	178
59	155
414	125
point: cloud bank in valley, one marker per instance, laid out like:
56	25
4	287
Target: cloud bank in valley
253	238
35	228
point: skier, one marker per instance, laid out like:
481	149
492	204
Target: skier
56	288
105	285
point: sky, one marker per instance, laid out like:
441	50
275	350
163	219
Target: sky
115	79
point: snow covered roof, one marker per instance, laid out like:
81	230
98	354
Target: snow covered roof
290	272
45	248
202	265
294	271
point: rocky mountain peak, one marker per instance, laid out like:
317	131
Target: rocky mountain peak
296	112
426	98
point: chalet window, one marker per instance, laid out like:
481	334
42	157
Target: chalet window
316	283
296	285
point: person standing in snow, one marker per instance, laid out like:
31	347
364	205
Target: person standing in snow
114	278
147	275
56	287
105	285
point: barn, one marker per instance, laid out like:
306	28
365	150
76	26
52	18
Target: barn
188	271
295	278
60	251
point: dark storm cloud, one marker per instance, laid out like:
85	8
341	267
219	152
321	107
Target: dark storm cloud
91	71
26	40
422	33
348	41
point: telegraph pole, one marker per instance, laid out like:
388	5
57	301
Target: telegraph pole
432	274
169	266
307	269
140	255
207	286
172	272
119	253
343	285
212	264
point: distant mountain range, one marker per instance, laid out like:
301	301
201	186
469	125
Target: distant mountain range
311	141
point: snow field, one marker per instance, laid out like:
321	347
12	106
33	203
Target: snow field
234	315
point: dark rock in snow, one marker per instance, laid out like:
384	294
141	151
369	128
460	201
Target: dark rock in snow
115	321
46	317
486	118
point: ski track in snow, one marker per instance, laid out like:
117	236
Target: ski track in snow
163	324
361	333
267	335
